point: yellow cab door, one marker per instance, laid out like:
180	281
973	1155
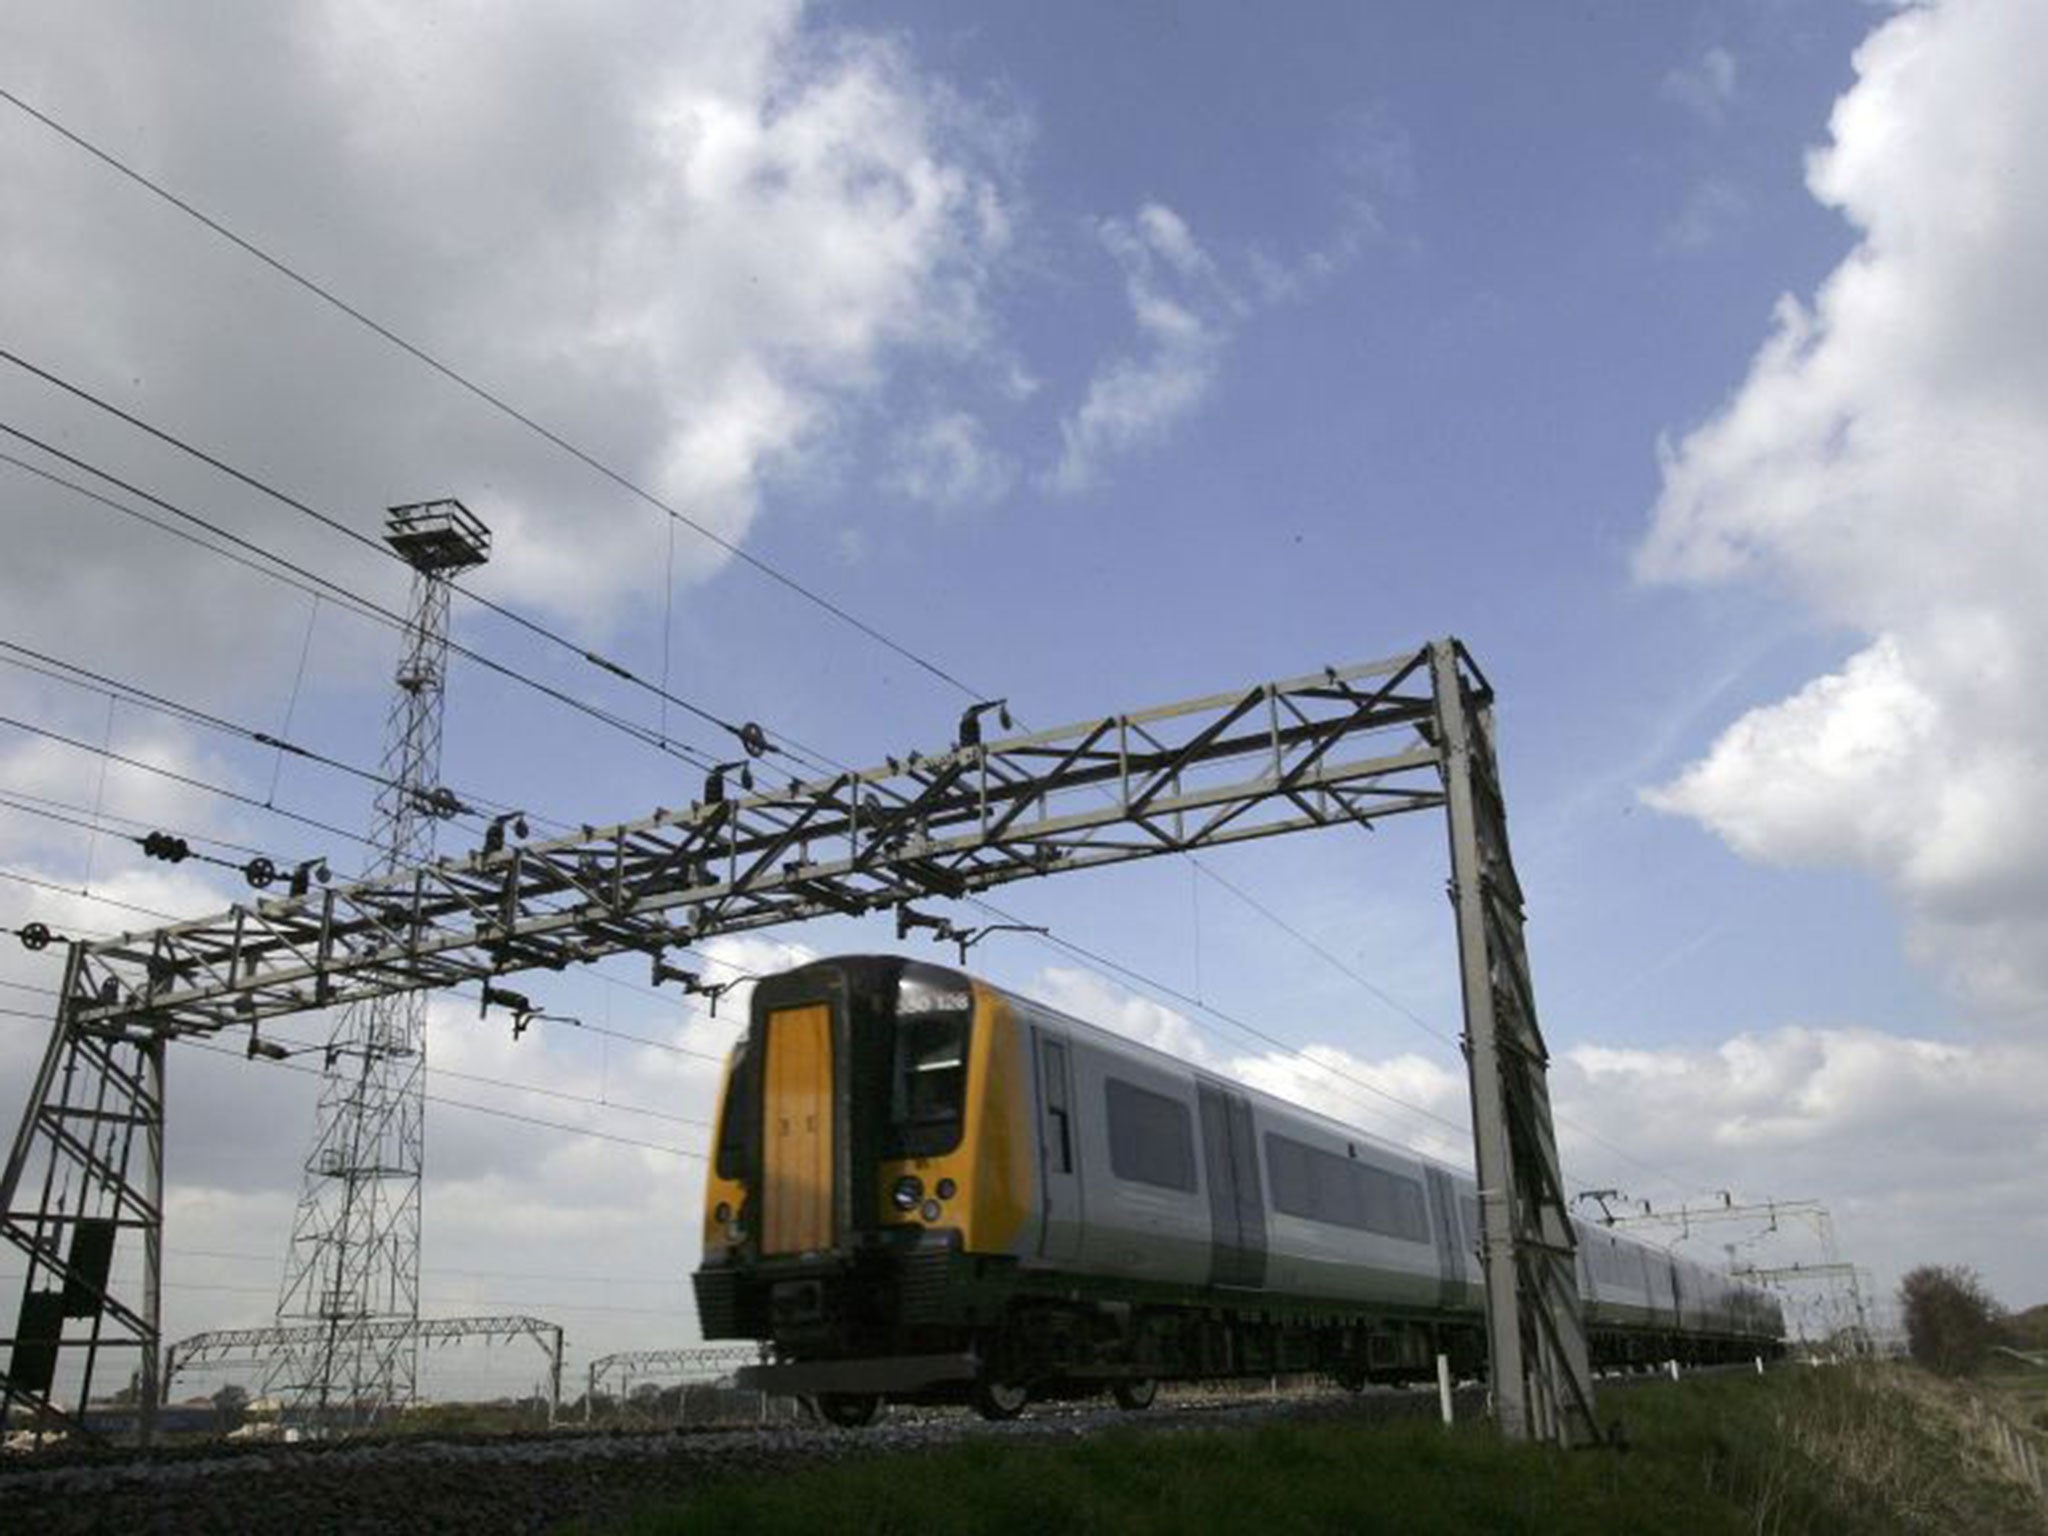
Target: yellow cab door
796	1122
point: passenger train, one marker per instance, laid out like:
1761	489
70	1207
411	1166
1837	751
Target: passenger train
929	1189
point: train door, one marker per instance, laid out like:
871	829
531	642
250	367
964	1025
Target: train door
1444	1224
1237	1212
1059	1149
796	1123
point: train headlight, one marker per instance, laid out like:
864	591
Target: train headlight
931	1210
723	1213
908	1191
946	1189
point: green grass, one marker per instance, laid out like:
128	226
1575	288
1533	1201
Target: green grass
1833	1451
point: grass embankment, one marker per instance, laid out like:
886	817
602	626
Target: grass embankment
1835	1451
2020	1391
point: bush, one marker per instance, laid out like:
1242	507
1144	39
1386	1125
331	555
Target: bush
1951	1320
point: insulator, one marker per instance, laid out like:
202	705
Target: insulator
162	845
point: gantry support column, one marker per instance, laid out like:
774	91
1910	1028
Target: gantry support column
1535	1324
81	1197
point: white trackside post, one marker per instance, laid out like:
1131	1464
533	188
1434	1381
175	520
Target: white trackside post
1443	1385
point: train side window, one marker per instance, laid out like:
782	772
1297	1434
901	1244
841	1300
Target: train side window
1151	1137
1055	1068
1321	1186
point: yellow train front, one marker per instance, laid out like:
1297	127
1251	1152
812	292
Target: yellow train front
873	1158
925	1188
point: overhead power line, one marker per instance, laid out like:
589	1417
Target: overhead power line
486	1109
55	810
495	401
269	572
84	895
696	757
746	734
181	778
75	675
498	403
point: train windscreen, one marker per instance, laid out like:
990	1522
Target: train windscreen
928	1077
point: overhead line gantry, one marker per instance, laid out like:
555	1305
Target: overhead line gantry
1352	745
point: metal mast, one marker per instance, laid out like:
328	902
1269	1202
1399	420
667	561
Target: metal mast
353	1268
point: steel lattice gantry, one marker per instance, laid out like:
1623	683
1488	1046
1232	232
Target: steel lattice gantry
1344	745
261	1346
694	1364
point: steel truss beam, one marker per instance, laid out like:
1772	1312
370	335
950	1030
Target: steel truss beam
1346	745
703	1362
308	1342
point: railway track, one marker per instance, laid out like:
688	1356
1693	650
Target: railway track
532	1483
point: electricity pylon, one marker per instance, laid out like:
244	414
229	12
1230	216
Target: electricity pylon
353	1267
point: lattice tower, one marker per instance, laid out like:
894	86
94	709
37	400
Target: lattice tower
354	1261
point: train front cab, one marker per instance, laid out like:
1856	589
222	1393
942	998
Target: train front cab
860	1158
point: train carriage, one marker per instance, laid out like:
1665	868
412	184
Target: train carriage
927	1188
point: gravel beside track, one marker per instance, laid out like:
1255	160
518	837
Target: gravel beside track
537	1483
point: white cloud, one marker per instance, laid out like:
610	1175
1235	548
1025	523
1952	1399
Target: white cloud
948	462
1372	163
1923	1150
693	238
1704	87
1096	1000
1183	313
1711	210
1883	461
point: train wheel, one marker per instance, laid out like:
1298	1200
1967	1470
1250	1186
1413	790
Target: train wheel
999	1400
1135	1393
848	1410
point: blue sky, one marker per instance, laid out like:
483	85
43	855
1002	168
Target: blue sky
1104	356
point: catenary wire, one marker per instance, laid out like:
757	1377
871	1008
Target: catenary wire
694	756
484	1109
85	895
73	674
335	524
186	779
54	810
285	270
314	1047
500	404
496	402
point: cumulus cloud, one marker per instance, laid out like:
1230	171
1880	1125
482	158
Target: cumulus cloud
1099	1001
1406	1098
1183	313
693	239
1882	462
1917	1146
